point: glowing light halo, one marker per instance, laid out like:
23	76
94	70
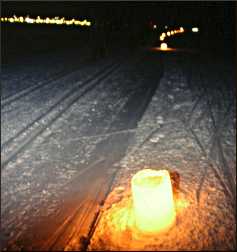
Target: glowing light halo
172	33
153	203
163	46
195	29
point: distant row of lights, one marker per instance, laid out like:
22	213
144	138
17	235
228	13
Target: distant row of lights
47	20
171	33
164	46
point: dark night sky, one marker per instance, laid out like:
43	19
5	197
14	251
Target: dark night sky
213	16
163	11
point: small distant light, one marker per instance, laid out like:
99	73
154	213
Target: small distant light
166	27
29	20
59	21
52	21
67	22
172	33
84	22
162	38
195	29
181	29
163	46
154	26
168	33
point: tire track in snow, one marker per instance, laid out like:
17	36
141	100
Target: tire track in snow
28	90
24	72
218	125
222	170
121	128
216	168
16	144
113	148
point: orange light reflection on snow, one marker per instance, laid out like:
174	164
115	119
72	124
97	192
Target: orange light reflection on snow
119	225
168	49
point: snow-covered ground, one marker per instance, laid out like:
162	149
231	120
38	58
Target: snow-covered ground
65	143
189	128
55	136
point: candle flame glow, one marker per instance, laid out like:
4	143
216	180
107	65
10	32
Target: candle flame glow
153	202
163	46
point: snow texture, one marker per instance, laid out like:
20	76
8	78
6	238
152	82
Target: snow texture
190	130
66	141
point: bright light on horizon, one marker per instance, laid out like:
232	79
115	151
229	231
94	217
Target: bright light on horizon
195	29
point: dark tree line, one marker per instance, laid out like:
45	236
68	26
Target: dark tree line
118	27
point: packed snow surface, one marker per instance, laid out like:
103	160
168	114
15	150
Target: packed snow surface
177	133
71	146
